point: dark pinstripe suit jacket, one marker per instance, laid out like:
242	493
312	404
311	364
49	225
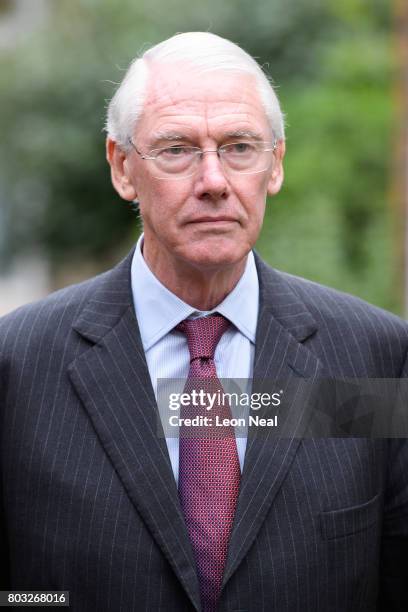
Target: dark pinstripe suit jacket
88	499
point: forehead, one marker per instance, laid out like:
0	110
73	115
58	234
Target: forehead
179	98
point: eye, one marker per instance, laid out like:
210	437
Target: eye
239	148
176	151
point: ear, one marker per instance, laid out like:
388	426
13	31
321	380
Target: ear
120	174
277	175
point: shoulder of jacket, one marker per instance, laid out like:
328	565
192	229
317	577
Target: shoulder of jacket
327	303
60	307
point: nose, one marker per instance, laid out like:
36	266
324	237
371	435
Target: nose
210	180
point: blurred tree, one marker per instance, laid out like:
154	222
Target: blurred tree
400	183
338	163
5	5
337	229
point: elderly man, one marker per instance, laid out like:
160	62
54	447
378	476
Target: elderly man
95	498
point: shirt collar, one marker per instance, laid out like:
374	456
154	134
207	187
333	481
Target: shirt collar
158	310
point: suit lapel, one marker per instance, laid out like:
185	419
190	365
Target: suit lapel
284	324
113	382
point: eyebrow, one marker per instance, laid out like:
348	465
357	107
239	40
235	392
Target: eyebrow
171	136
158	136
244	134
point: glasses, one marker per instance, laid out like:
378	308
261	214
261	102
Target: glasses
181	161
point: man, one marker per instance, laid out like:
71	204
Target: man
95	498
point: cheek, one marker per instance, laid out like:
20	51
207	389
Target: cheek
252	196
161	201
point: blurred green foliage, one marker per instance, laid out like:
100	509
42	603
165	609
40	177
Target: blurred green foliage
332	63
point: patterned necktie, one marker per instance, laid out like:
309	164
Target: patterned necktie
209	472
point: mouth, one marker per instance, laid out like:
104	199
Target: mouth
214	220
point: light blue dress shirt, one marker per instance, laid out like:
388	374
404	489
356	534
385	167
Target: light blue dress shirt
158	311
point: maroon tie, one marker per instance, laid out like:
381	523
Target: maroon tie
209	471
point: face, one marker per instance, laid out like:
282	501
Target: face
210	220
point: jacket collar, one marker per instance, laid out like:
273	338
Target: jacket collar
113	296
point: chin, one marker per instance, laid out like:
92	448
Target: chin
217	257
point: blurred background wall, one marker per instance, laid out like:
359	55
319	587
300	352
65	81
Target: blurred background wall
338	220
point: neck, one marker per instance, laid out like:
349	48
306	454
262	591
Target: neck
201	288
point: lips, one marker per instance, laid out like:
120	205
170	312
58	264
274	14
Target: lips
213	219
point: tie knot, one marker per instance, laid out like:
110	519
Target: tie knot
203	334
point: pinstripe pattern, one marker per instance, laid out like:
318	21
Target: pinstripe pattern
88	498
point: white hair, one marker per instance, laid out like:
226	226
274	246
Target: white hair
202	50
